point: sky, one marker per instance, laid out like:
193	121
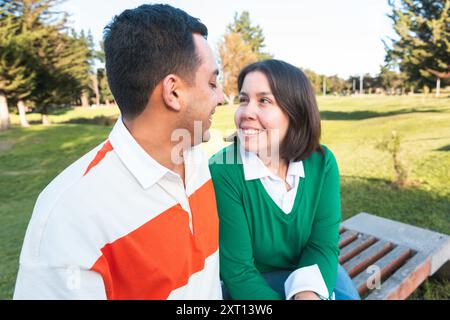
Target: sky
342	37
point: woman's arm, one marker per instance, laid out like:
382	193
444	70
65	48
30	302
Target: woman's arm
322	248
237	266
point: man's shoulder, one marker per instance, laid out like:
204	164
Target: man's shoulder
53	211
69	177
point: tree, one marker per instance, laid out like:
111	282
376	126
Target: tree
241	45
235	54
16	78
314	78
105	91
58	58
75	64
252	35
335	85
391	80
370	83
422	48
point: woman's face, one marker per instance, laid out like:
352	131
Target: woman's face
261	123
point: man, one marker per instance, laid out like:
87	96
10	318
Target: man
136	217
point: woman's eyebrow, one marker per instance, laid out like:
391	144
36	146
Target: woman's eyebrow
259	94
264	93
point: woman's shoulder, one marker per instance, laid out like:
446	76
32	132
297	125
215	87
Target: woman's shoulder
226	161
322	157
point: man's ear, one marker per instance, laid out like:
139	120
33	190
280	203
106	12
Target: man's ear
171	87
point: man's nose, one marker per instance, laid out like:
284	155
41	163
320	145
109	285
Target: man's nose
220	97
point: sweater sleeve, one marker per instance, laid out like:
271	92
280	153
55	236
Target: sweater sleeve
237	268
322	247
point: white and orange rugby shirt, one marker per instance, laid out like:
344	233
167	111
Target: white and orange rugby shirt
118	225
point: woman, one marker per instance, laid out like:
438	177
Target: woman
277	193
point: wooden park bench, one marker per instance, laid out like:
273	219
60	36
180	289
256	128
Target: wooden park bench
401	256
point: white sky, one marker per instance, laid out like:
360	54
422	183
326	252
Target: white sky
327	36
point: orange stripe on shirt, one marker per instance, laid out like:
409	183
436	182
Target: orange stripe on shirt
107	147
161	255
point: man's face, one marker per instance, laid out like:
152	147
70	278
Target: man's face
204	95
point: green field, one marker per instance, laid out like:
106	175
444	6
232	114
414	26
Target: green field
352	127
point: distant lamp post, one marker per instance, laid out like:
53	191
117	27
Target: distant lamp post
361	84
439	75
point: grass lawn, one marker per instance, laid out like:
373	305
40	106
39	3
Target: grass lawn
352	126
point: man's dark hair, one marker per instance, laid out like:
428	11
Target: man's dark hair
295	95
144	45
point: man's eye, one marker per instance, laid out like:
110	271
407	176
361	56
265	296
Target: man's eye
213	85
242	100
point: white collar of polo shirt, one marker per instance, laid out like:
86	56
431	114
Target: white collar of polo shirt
144	168
254	168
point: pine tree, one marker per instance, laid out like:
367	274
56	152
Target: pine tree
252	35
16	78
73	65
59	59
105	91
422	49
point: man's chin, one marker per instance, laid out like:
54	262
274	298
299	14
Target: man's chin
206	136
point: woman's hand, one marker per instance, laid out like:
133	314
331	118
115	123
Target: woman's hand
306	295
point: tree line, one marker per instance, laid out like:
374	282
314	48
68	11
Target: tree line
417	59
46	64
43	62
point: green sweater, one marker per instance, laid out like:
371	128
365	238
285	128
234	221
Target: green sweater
256	236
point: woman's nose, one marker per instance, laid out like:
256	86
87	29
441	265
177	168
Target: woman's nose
249	111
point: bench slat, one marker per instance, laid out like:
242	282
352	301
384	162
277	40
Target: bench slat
346	237
356	247
436	245
358	263
387	264
405	280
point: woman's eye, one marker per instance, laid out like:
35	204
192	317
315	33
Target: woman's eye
265	101
242	100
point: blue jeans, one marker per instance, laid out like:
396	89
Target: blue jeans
344	289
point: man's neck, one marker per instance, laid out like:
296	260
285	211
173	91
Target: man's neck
155	138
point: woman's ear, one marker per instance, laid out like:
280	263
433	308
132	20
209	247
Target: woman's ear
171	86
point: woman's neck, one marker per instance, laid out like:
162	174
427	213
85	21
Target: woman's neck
277	166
